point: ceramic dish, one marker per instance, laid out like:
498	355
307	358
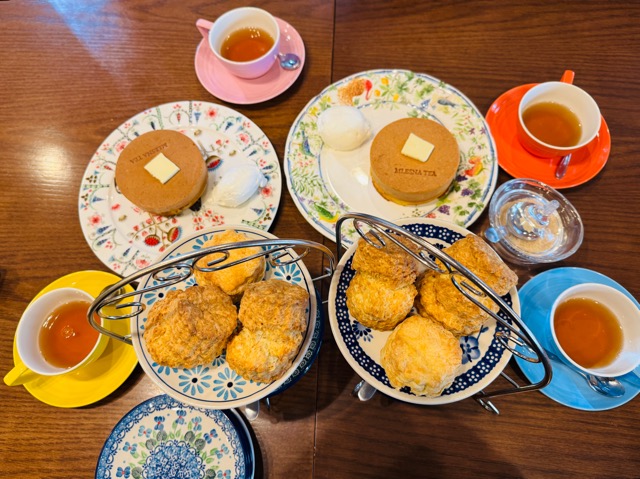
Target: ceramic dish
163	438
325	183
216	385
585	163
484	357
566	387
94	381
127	239
225	86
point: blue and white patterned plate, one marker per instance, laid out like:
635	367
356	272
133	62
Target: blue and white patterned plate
483	356
163	438
216	385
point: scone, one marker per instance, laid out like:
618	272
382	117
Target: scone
422	355
191	327
148	192
273	314
234	279
441	301
377	303
405	180
390	261
438	298
477	256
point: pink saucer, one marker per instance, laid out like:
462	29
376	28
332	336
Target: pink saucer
225	86
585	163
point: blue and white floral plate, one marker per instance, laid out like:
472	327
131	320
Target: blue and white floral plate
127	239
483	356
325	183
216	385
163	438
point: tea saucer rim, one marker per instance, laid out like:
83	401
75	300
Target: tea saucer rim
225	92
597	160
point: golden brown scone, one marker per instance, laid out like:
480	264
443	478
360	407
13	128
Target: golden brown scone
275	305
440	300
191	327
262	355
232	280
478	257
274	321
390	261
421	355
377	303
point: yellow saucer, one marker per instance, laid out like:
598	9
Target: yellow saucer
97	380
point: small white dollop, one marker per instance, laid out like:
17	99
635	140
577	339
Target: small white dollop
238	185
343	128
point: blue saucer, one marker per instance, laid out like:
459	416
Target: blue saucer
566	387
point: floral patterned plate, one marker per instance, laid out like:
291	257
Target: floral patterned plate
325	183
483	356
162	438
216	385
127	239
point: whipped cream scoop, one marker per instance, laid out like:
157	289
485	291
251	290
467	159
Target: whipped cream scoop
238	185
343	128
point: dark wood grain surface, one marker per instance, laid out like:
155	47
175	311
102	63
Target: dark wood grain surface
71	72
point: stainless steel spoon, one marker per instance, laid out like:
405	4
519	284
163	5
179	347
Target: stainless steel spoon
562	166
289	61
610	387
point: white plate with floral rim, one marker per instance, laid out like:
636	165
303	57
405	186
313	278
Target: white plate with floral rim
325	183
162	438
127	239
483	355
216	385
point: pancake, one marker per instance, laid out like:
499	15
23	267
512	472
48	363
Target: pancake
405	180
149	193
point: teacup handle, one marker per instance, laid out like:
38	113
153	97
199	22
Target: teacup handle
204	26
18	375
567	77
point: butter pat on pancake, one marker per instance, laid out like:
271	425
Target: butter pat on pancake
422	355
146	189
234	279
405	180
190	328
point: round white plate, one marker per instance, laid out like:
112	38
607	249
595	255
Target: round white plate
216	385
325	183
163	438
483	356
127	239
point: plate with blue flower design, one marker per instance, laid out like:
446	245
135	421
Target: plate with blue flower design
163	438
325	183
216	385
127	239
483	355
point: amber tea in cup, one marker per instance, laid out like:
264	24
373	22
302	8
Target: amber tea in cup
246	44
596	328
553	123
66	337
588	332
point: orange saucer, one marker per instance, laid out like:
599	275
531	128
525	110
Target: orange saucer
585	163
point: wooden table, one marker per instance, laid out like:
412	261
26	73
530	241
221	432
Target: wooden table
71	72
